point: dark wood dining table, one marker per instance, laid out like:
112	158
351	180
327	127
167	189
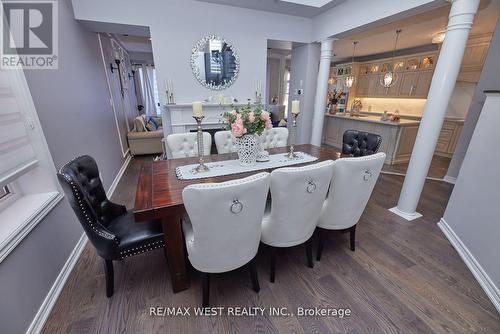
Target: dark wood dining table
159	197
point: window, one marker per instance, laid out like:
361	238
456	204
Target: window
4	191
28	184
287	91
148	86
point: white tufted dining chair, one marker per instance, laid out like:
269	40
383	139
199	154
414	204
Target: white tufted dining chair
225	142
275	137
352	184
183	145
297	195
223	229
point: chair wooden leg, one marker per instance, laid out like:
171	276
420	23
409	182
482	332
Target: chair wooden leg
206	289
321	241
273	263
110	277
252	266
352	232
309	253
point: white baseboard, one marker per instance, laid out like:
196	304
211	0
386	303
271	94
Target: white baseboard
118	177
481	276
51	298
449	179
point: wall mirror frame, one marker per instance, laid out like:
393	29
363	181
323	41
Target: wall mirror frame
214	62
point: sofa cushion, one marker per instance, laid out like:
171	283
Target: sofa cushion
139	125
134	135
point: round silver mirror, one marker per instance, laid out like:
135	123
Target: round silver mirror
214	62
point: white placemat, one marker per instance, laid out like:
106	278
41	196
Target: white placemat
227	167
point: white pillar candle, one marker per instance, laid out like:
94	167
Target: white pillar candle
197	109
295	107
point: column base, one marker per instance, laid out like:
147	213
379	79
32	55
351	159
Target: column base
407	216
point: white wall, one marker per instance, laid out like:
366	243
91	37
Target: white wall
176	25
461	99
275	77
473	212
489	79
303	75
72	104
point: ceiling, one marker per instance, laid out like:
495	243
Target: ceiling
304	8
135	43
416	31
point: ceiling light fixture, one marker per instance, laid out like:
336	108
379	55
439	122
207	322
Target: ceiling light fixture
438	37
349	80
390	77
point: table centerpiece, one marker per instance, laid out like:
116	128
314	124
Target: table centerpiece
247	124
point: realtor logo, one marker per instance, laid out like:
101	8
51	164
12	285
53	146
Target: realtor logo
29	35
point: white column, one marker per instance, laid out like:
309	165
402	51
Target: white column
443	81
321	91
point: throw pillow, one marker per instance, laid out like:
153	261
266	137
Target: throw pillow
153	120
151	126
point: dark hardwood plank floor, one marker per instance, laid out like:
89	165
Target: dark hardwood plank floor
437	170
403	278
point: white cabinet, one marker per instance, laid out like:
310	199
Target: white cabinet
423	84
413	77
408	84
448	138
474	57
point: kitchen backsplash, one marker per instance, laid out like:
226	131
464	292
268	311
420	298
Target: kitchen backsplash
410	107
458	107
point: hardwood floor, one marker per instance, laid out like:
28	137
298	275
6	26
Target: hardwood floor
404	277
437	170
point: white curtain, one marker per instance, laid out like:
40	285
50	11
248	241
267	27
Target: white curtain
146	89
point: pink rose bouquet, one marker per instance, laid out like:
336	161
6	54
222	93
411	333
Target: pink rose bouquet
248	120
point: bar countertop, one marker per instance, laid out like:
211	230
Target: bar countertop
376	119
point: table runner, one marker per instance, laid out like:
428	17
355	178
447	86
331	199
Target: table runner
227	167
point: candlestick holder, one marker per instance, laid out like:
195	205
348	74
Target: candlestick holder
201	166
291	154
170	97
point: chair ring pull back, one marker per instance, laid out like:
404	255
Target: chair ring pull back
311	187
368	175
236	207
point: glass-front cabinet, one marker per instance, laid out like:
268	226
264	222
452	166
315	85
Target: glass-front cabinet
413	75
427	62
398	65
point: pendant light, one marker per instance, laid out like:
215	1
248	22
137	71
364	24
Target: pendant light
349	80
390	77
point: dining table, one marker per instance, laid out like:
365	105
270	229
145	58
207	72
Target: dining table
159	197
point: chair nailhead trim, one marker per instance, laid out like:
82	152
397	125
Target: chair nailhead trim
78	198
141	249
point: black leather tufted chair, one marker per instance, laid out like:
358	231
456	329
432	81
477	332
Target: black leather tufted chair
358	143
110	227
